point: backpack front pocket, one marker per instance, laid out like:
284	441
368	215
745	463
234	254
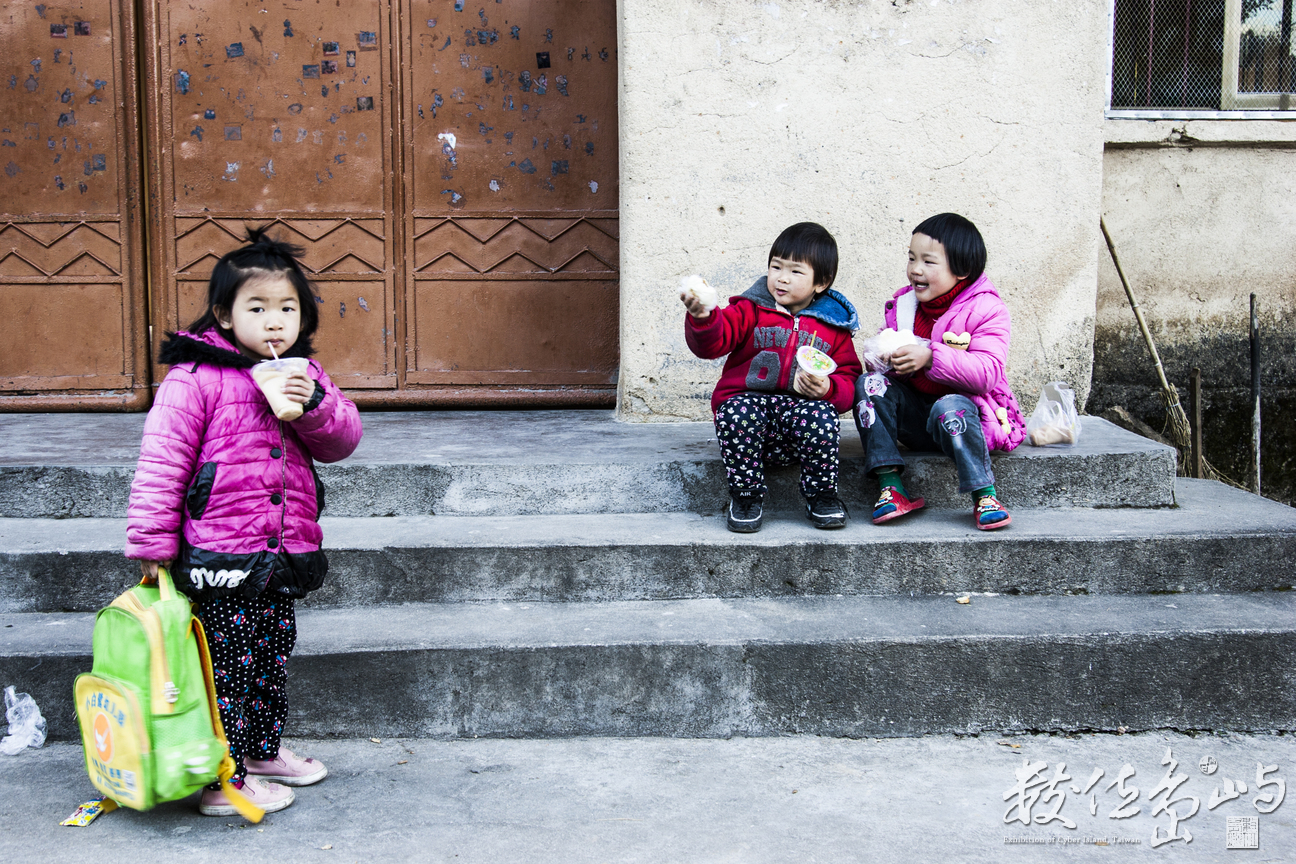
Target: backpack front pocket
117	751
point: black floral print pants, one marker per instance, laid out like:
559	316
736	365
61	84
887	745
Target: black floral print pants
250	640
759	429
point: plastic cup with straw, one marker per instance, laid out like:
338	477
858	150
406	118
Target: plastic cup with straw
272	375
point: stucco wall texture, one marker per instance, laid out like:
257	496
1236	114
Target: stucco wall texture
739	118
1203	213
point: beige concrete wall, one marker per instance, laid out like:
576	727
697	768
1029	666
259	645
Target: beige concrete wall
739	118
1203	214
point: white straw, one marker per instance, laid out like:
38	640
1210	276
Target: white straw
270	345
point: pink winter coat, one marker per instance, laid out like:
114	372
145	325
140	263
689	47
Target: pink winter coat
223	486
976	369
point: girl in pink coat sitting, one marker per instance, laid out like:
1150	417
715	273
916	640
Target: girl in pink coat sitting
226	495
952	394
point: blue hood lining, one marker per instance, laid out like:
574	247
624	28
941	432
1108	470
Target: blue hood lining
830	307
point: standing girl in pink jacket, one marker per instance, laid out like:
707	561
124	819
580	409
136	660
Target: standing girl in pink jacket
951	395
226	494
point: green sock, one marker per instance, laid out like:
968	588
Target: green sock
891	477
977	493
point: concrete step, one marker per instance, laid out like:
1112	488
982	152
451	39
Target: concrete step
851	666
556	462
1217	539
749	800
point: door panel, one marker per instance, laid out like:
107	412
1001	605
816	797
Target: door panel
450	173
512	206
281	118
72	294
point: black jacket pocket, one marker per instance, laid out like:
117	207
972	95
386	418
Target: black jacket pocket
200	490
319	491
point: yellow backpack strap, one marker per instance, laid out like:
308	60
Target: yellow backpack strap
165	585
160	685
246	808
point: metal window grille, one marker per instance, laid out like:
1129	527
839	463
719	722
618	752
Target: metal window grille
1179	55
1265	61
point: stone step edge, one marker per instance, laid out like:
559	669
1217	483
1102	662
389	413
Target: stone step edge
1206	509
76	565
708	668
1131	472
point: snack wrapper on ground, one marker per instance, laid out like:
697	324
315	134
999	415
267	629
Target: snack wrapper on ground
698	288
877	350
89	811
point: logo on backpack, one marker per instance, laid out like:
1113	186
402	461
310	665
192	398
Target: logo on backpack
218	579
103	737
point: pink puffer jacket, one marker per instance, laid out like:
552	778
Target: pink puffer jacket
975	368
219	471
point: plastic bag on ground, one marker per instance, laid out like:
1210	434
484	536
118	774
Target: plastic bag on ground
1054	420
26	725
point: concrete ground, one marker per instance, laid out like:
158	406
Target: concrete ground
655	800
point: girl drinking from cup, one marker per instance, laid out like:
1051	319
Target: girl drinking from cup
226	495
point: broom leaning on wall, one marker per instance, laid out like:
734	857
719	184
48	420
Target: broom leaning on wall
1177	428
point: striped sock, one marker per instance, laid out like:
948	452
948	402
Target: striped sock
891	477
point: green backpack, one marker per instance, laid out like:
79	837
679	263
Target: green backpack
148	715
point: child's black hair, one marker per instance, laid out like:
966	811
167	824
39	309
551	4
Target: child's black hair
263	256
964	249
809	243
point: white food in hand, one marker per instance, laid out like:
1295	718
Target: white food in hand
878	349
889	341
697	288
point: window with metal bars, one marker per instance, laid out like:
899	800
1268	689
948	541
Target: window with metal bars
1191	57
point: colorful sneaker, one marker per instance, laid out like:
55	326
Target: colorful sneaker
893	503
746	513
826	510
270	797
990	514
287	768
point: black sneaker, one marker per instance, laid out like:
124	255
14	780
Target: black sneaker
745	512
826	510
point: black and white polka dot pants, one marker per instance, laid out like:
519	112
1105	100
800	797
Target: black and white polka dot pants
759	429
250	640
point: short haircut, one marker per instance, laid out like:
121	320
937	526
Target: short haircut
262	257
809	243
964	249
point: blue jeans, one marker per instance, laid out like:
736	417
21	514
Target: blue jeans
950	424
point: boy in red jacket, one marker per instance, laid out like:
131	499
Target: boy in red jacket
768	410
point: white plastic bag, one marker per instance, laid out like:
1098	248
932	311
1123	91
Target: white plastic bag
26	725
877	349
1054	420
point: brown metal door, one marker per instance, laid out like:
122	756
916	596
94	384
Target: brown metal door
463	235
510	127
280	112
72	292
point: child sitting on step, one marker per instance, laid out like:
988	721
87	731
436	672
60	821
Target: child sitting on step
768	411
951	395
227	490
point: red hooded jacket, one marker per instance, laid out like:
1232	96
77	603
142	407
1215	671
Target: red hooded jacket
762	338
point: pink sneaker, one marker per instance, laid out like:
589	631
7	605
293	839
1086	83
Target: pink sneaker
268	796
287	768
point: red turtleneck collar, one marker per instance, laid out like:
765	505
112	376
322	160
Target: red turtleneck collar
927	313
924	320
